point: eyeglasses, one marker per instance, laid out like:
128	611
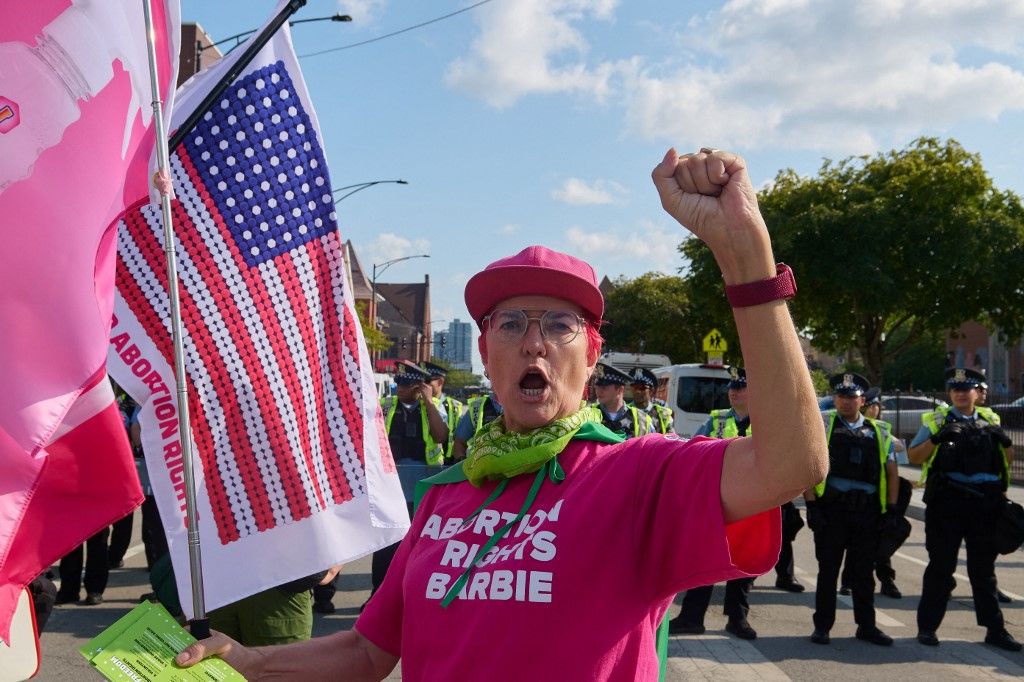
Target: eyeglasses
557	326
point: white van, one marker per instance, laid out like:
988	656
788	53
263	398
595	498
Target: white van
627	361
692	391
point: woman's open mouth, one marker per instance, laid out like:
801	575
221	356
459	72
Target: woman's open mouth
532	384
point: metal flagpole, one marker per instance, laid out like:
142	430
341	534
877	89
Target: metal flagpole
236	69
200	624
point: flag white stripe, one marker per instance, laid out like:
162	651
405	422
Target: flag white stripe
350	462
244	388
215	415
304	269
293	340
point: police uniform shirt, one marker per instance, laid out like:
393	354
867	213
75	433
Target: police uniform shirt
406	433
622	421
844	485
924	434
743	425
653	414
466	429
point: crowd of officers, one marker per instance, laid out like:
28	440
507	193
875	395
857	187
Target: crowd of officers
858	513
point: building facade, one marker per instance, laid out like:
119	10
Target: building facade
1003	365
455	345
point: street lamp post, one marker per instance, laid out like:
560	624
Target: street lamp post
238	36
360	186
379	268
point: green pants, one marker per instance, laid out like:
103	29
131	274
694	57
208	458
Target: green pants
269	617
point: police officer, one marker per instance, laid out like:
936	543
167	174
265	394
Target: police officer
611	408
730	423
449	406
847	509
883	562
480	410
966	459
981	402
643	382
416	432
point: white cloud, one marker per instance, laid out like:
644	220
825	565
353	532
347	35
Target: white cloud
831	75
532	46
652	247
578	192
362	11
508	229
388	246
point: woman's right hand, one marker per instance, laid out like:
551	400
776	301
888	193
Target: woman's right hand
710	194
246	661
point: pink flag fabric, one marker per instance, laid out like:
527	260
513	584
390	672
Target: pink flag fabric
293	471
76	130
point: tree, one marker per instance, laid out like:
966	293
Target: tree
890	249
457	378
652	314
376	340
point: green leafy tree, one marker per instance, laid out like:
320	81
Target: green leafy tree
457	378
890	249
652	314
376	340
920	365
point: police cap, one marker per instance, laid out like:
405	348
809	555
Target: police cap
606	375
963	379
737	377
873	396
407	373
848	383
435	371
643	377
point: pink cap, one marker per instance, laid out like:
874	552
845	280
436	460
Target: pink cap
535	271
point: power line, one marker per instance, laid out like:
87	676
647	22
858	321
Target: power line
395	33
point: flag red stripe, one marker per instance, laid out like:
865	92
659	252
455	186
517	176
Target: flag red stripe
304	322
279	445
145	240
354	406
322	274
214	365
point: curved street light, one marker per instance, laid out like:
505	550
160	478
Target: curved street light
379	268
360	186
238	36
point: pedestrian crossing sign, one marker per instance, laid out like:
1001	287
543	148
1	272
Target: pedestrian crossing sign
714	342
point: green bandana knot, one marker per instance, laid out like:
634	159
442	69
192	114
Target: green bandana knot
496	453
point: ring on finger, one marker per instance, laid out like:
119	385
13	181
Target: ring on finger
708	150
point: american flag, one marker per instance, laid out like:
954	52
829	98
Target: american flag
271	348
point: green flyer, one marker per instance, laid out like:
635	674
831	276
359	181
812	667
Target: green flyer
141	646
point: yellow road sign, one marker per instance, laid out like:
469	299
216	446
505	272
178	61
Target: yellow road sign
714	342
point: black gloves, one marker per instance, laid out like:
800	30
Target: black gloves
998	435
815	517
951	432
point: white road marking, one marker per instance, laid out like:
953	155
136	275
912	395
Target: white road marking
961	576
881	617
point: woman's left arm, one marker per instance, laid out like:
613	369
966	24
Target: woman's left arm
711	195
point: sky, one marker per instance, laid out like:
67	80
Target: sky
523	122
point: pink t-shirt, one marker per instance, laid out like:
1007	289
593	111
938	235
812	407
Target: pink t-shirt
576	590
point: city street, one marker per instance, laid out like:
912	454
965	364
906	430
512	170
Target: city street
782	620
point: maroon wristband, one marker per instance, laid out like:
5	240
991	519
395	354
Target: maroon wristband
780	287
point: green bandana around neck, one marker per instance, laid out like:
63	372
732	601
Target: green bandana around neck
496	453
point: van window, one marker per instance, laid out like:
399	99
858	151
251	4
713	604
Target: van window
703	394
